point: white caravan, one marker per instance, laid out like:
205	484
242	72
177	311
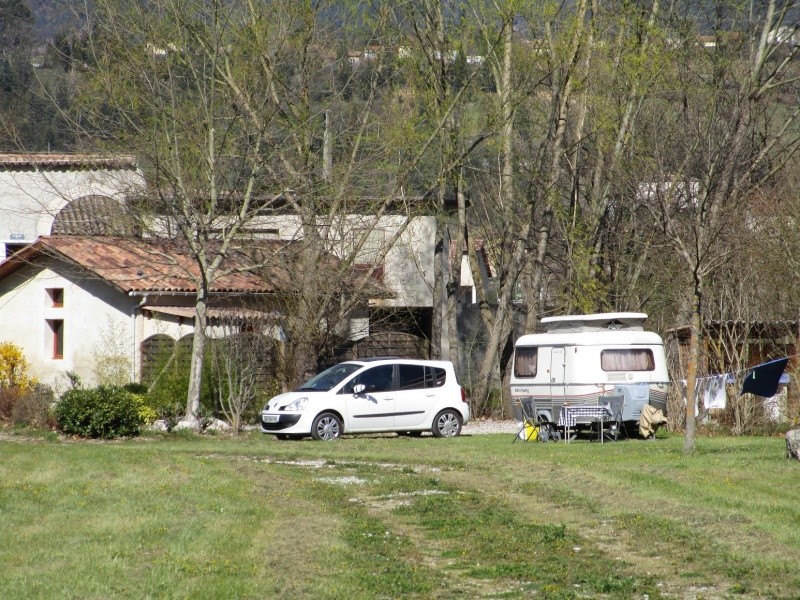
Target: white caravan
595	359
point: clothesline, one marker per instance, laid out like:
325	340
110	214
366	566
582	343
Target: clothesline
761	380
746	369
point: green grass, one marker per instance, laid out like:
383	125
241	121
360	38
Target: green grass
389	517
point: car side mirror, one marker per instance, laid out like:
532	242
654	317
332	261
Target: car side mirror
359	389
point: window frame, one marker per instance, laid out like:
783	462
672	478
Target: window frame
347	388
56	341
56	297
535	357
634	353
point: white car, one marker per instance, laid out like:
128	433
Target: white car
371	395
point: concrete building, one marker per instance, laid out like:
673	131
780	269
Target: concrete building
43	193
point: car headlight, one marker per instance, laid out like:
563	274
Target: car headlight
298	405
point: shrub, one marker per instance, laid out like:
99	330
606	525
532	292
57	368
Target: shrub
33	408
112	363
9	396
147	414
167	393
136	388
101	412
14	368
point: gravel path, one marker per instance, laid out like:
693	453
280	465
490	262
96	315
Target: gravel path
490	426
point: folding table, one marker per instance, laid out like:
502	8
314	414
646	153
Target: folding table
582	413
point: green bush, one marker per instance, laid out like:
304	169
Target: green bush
136	388
101	412
167	393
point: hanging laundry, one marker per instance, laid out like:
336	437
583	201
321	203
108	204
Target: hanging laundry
700	386
763	380
715	395
684	387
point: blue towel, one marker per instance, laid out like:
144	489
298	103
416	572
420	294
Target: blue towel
763	380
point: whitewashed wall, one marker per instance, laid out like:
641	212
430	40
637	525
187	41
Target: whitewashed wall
408	266
99	321
30	200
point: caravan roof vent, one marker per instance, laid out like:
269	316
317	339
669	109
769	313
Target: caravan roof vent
595	322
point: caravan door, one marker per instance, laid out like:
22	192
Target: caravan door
558	368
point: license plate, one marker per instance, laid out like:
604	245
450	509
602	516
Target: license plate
270	418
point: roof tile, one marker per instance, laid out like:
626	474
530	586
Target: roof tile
160	265
46	160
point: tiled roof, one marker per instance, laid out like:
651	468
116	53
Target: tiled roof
93	215
48	161
159	265
188	312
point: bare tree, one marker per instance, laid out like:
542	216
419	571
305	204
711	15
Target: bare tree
241	364
555	111
223	103
158	86
725	132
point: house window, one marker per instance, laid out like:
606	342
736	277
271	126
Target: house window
525	360
56	297
367	248
12	249
55	341
627	360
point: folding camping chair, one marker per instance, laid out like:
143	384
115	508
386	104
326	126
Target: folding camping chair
616	404
529	429
548	429
535	424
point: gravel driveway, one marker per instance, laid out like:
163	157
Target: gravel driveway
490	426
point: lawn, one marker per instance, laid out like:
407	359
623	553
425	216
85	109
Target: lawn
391	517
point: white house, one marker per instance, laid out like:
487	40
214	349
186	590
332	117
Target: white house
468	292
81	303
47	193
401	249
401	246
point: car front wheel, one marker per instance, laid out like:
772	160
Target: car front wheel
447	424
327	426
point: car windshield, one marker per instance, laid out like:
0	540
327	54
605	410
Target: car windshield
329	378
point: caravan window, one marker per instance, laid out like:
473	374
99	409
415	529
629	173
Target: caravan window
525	361
640	359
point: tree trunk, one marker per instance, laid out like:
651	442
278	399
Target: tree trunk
439	299
537	294
691	370
497	326
489	367
198	349
454	281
